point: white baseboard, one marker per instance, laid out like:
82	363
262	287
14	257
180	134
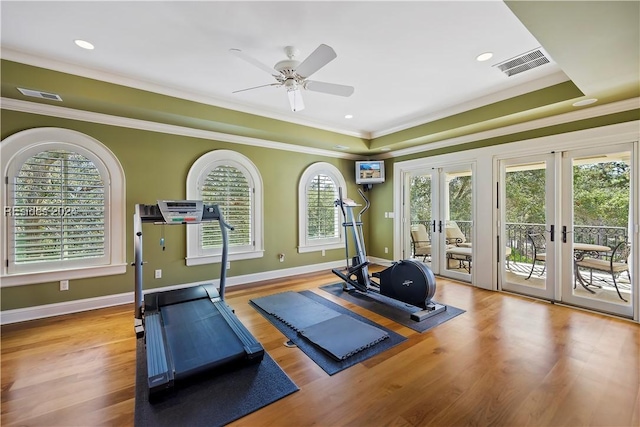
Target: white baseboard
67	307
57	309
380	261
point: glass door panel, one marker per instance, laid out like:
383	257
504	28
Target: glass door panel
595	229
438	204
528	245
455	224
421	217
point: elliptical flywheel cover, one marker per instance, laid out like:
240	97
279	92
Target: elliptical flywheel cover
413	282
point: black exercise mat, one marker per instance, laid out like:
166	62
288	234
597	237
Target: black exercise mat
211	401
330	336
321	358
398	311
339	335
295	310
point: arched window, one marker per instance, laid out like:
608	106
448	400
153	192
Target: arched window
63	207
231	181
320	223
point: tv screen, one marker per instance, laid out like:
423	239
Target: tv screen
370	172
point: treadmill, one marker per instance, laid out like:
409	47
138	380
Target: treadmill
192	330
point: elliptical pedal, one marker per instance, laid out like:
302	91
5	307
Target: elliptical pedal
431	310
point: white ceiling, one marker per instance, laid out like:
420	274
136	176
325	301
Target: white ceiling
410	62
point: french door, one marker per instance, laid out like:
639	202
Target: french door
440	203
596	220
527	226
563	216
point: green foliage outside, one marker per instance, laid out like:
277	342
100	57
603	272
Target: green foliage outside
600	191
459	198
601	194
420	199
58	208
525	197
322	214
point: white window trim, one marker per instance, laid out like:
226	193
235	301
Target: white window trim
18	147
305	245
198	170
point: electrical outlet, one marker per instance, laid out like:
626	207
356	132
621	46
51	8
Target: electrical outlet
64	285
323	253
228	265
281	257
386	250
158	274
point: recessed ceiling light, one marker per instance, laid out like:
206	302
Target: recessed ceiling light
585	102
84	44
484	56
349	116
340	147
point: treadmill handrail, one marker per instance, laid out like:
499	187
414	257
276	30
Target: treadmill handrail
137	250
225	253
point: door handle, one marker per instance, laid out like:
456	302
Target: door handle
552	233
434	225
564	234
439	226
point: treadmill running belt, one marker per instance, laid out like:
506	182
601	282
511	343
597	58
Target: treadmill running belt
198	337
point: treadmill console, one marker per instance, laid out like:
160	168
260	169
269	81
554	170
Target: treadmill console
181	211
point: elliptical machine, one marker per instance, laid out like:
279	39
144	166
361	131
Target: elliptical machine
409	281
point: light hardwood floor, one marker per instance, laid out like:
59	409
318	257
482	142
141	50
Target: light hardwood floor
507	361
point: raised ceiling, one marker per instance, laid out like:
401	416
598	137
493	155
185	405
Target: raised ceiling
411	63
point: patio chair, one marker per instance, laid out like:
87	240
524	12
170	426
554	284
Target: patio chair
617	264
454	235
420	241
538	243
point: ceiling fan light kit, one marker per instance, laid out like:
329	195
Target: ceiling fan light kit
293	75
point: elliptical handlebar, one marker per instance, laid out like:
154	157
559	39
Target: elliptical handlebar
367	204
340	203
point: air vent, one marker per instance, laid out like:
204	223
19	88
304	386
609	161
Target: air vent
39	94
524	62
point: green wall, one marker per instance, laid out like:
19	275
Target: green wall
380	229
156	167
86	94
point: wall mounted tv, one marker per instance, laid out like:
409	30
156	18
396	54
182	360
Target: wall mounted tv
370	172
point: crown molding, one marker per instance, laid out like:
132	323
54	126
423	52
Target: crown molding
573	116
106	119
87	116
162	89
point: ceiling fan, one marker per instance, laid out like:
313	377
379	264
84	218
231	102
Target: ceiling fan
293	75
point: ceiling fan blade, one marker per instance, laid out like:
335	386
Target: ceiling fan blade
295	100
318	59
251	60
256	87
330	88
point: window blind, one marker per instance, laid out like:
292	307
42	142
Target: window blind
322	215
228	187
58	209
